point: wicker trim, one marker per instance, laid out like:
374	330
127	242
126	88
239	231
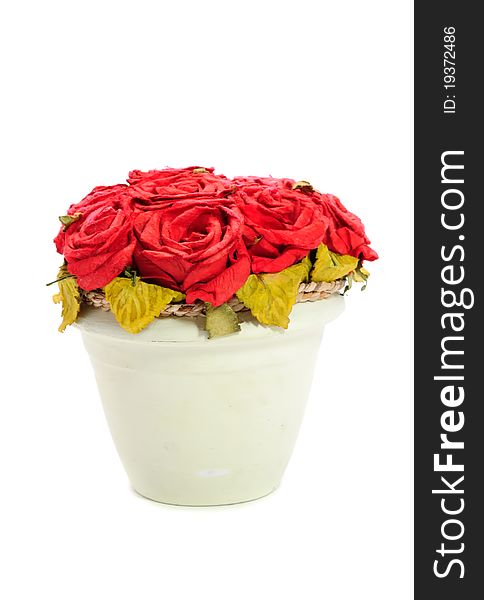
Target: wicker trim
308	292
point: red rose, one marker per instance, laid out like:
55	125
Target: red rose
281	224
346	232
112	195
152	187
194	246
202	234
99	245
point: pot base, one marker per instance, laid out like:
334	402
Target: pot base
209	505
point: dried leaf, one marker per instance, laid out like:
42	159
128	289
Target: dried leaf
330	266
302	185
361	275
221	320
69	296
271	296
136	305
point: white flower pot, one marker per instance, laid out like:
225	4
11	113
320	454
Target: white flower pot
205	422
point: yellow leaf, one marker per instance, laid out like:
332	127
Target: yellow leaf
270	296
135	303
330	266
69	296
361	275
220	320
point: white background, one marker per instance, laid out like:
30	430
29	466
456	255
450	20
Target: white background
310	90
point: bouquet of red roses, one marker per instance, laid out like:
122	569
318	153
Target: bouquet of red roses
191	236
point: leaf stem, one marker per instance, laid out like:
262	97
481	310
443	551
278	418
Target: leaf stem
60	279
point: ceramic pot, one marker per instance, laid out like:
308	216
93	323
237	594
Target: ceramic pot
205	422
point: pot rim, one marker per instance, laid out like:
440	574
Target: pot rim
176	330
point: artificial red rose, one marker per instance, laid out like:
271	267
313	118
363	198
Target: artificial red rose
154	187
99	245
345	233
194	246
101	196
282	224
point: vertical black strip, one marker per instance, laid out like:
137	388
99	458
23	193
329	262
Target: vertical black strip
449	340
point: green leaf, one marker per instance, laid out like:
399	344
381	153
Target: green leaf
67	220
271	296
330	266
220	320
69	296
349	284
135	303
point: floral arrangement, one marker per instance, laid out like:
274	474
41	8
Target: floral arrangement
190	236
